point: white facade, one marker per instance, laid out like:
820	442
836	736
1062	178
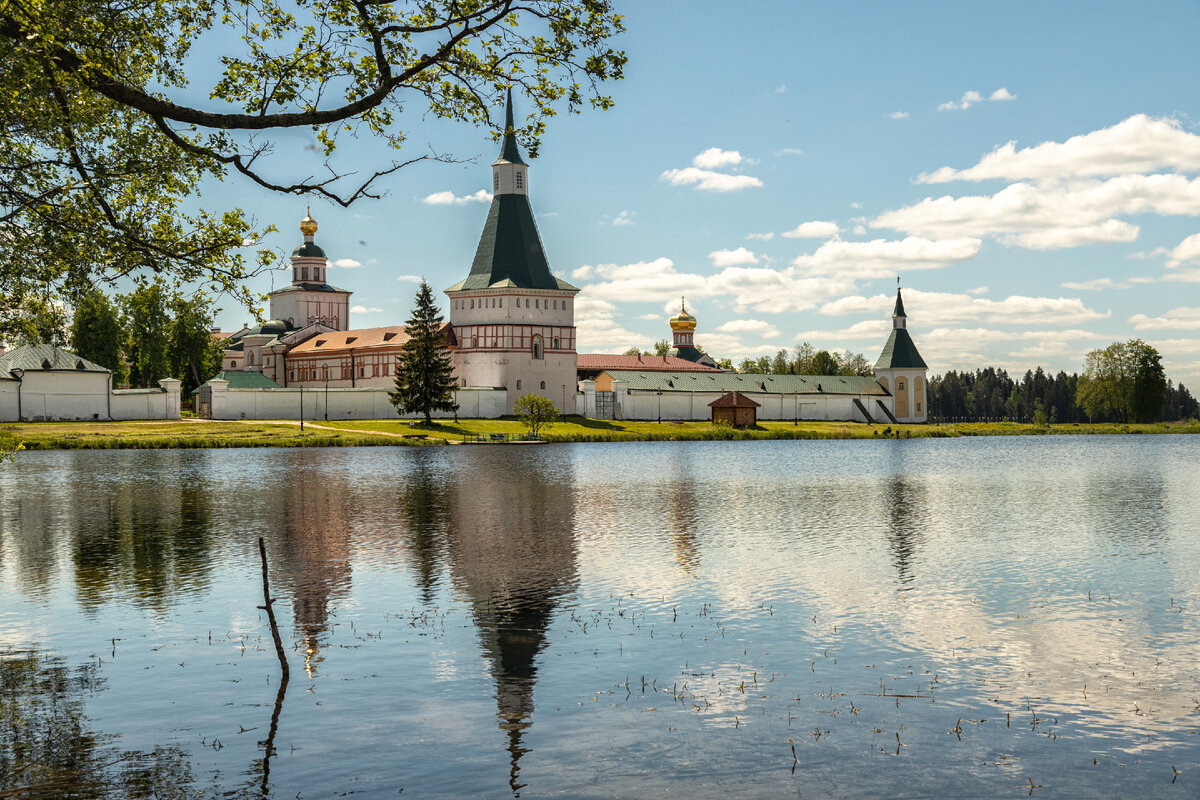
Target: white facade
910	400
519	340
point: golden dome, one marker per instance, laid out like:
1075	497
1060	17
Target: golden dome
308	225
683	321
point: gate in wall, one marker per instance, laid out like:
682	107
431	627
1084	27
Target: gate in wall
606	403
204	402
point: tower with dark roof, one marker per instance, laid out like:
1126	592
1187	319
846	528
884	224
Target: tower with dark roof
683	329
513	320
901	370
310	299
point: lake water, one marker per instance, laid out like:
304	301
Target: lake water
927	618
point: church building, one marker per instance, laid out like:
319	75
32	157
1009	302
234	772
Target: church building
512	319
901	370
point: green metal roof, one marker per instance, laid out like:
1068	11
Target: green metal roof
900	352
309	287
748	383
39	357
898	311
510	250
308	250
509	152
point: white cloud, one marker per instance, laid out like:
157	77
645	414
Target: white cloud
968	99
709	181
1186	252
789	151
1137	144
1001	95
817	229
1063	213
716	158
624	218
732	258
651	317
881	258
364	310
757	327
347	263
448	198
597	327
1177	319
1095	285
899	115
946	307
757	288
781	88
856	205
762	237
410	278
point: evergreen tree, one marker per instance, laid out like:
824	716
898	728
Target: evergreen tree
424	374
96	333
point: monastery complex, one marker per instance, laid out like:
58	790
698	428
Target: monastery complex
511	331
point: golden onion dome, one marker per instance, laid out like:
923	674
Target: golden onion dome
683	321
308	225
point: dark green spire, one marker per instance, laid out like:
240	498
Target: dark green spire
510	152
899	310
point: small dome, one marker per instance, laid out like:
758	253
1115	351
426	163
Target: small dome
308	225
308	250
683	321
274	326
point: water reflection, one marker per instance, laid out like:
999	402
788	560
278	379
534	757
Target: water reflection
423	503
905	507
512	555
48	748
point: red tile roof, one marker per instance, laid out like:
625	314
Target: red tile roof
389	336
599	362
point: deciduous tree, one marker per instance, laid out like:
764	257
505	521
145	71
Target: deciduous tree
195	355
102	142
96	333
145	322
535	412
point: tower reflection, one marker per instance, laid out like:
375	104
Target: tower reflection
512	554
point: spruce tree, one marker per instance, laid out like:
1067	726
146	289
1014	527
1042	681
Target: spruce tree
424	374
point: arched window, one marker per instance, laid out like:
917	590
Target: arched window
537	347
250	359
555	342
472	303
464	381
502	302
474	341
543	384
537	303
518	385
900	384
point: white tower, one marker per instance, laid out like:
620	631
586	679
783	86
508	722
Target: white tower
901	370
513	320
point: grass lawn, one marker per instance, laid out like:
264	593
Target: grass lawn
203	434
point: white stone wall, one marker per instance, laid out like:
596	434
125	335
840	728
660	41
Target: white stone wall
912	395
647	405
343	404
72	396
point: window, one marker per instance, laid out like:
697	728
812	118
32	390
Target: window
496	181
304	273
361	371
543	384
555	342
519	176
502	302
472	303
537	303
464	381
232	364
474	341
537	347
918	406
900	385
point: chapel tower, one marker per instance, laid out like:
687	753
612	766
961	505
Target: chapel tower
683	330
513	320
901	370
310	299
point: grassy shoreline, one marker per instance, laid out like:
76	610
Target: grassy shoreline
370	433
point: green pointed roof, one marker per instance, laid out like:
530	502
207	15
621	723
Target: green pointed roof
509	153
510	251
900	352
898	311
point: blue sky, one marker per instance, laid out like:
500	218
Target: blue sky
1031	171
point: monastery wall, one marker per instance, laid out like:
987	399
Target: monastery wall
645	405
343	404
71	396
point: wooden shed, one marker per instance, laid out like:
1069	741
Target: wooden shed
736	409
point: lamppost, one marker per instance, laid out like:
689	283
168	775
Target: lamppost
327	394
302	406
659	408
20	373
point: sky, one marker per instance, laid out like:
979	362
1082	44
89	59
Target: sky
1030	172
